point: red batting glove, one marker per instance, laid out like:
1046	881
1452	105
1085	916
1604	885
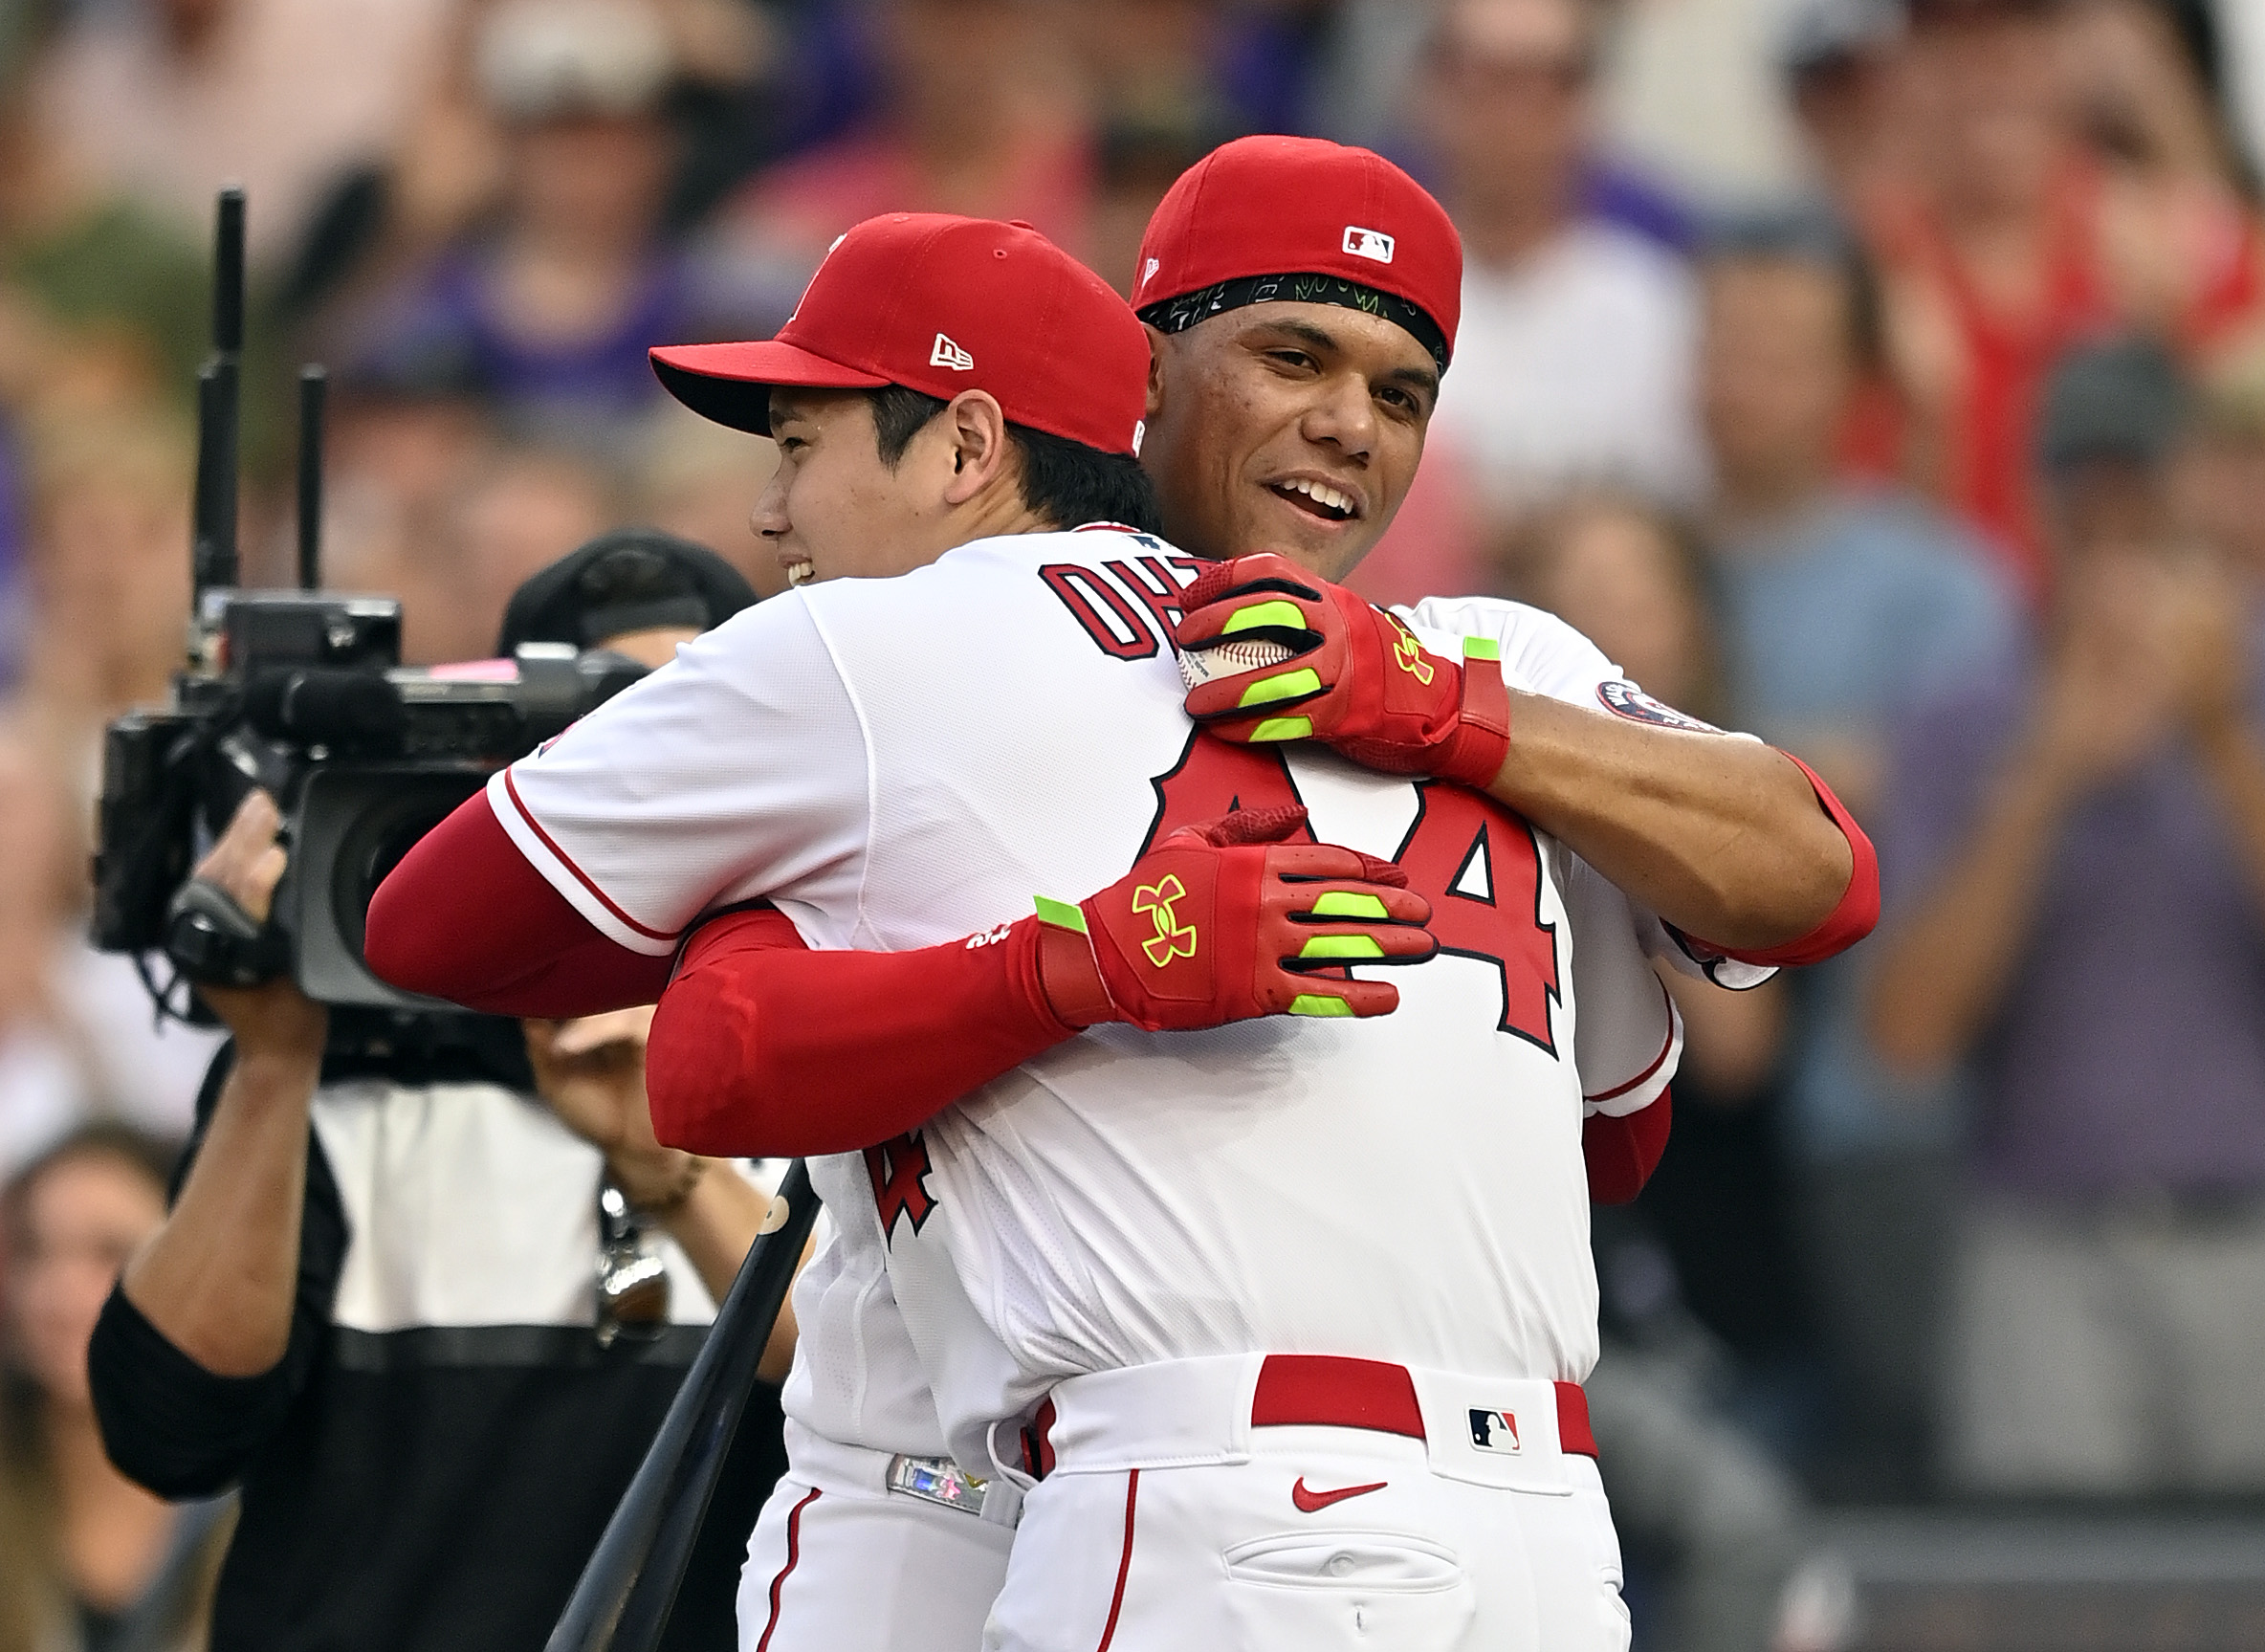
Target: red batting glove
1223	921
1359	681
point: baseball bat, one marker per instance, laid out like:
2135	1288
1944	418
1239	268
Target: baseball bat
623	1599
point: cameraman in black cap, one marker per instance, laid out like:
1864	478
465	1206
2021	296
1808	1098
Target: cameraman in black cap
371	1306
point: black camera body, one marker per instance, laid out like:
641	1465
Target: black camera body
304	695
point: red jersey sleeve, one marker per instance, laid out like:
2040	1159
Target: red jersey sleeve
466	917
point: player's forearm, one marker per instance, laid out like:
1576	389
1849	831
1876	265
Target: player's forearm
219	1278
763	1049
1943	971
1723	838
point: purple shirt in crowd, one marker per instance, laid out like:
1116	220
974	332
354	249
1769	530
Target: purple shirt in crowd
2129	1053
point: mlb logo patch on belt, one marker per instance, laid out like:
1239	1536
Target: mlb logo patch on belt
1495	1431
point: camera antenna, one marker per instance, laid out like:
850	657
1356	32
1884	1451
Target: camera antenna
214	548
313	383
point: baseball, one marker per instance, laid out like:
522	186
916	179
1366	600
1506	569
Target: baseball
1197	666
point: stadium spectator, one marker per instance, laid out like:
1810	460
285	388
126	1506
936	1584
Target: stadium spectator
2076	871
695	479
1840	61
2147	79
102	301
521	512
404	1304
1573	362
109	576
78	1041
2012	242
89	1561
547	309
982	114
1700	1506
2222	478
1842	604
1632	581
168	99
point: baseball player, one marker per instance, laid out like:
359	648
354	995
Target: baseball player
1081	586
884	1541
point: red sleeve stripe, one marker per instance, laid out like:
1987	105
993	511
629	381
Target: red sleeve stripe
1657	1062
582	877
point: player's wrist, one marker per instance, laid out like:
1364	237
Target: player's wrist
1479	742
1068	972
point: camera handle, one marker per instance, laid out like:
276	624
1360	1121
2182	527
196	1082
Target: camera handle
212	940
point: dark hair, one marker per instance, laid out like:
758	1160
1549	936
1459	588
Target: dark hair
629	579
1815	238
1067	482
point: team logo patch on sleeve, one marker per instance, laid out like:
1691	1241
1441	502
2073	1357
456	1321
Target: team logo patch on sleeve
1495	1431
1624	700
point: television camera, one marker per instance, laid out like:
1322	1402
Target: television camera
301	692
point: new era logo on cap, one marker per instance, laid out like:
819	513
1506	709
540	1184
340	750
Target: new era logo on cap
1367	243
1495	1431
947	354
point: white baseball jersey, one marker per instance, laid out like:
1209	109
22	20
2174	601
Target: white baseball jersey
904	762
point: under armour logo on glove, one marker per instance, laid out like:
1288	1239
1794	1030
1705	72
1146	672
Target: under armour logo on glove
1278	914
1172	938
1409	653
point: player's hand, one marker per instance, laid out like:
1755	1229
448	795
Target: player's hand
273	1019
1225	921
1358	679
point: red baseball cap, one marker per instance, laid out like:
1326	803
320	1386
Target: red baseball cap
941	304
1274	205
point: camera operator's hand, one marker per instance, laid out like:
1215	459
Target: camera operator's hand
592	1072
273	1019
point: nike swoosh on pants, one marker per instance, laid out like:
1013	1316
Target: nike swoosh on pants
1313	1502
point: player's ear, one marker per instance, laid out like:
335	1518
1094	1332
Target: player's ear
976	425
1157	344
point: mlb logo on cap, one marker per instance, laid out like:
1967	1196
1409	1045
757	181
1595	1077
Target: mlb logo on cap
1495	1431
1367	243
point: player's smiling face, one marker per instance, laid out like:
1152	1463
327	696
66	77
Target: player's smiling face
835	509
1291	428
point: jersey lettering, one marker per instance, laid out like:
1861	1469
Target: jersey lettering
1159	588
1215	777
1475	861
899	1170
1122	631
1479	865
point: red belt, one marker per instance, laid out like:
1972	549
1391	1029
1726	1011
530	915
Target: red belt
1325	1391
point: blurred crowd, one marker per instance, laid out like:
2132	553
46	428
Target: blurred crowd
1885	377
